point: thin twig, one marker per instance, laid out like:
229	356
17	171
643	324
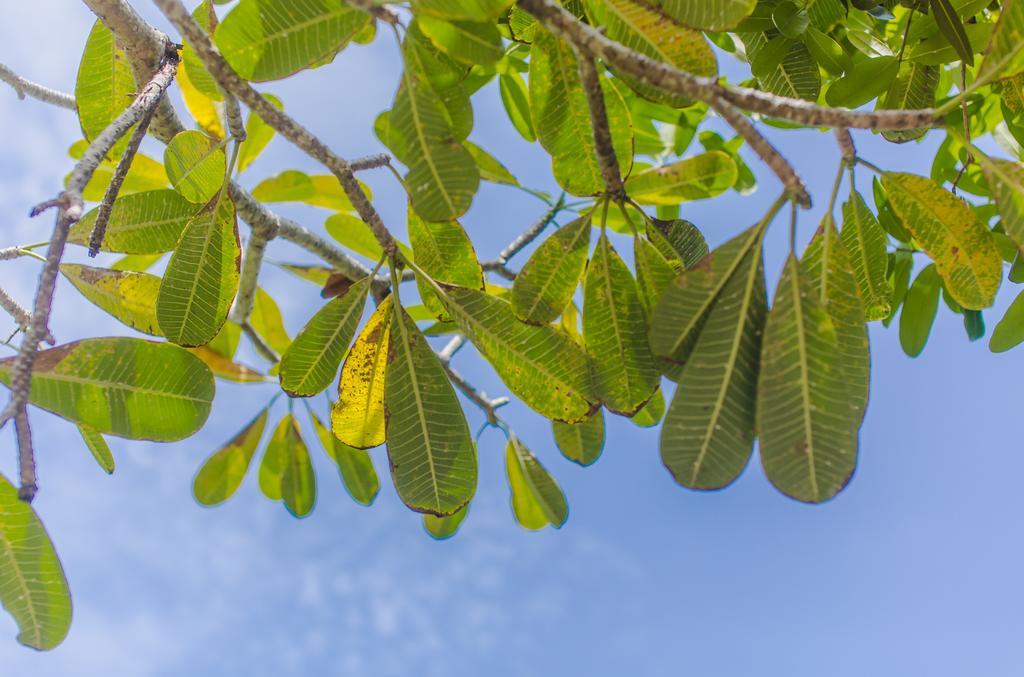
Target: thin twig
475	395
452	347
603	146
26	458
25	88
261	347
21	316
370	162
524	239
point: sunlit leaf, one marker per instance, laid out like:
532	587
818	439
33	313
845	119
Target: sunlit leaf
695	178
470	42
709	15
581	442
443	528
1005	53
865	241
141	223
98	447
1006	181
129	297
469	10
919	308
196	164
104	86
489	166
357	418
515	97
549	278
222	473
224	367
652	412
298	481
268	323
444	251
258	135
354	465
537	500
319	190
915	88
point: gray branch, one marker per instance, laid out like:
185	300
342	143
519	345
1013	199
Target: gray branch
25	88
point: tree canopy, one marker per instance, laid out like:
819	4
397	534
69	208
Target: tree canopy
616	306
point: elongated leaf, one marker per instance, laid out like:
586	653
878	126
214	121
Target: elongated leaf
298	481
489	166
919	308
202	277
515	98
830	275
695	178
708	433
444	251
357	418
105	85
272	39
642	27
541	365
258	135
468	10
268	323
227	369
807	419
222	473
709	15
122	386
1006	181
196	164
141	223
960	244
561	117
443	528
354	465
445	76
679	241
319	190
653	272
796	76
1005	54
866	242
915	88
615	333
470	42
537	500
98	447
433	458
312	361
683	307
548	280
951	27
652	413
863	82
443	177
129	297
1010	330
274	459
581	442
32	584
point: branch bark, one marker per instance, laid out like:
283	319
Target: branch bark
25	88
603	146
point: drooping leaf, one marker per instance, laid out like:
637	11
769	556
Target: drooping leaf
548	280
196	165
709	15
952	27
275	457
268	323
489	166
122	386
318	190
312	361
865	241
541	365
960	244
357	418
919	308
708	433
561	117
537	500
141	223
98	447
298	481
1006	181
354	465
432	455
33	589
679	241
615	333
1010	330
104	86
222	473
272	39
202	277
695	178
444	251
129	297
653	272
443	528
652	412
645	29
515	98
581	442
915	88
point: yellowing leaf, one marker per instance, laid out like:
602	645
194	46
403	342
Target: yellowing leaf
696	178
129	297
222	473
196	165
548	280
357	418
537	500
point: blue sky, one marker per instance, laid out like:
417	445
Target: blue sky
914	569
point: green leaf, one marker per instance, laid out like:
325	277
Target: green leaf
537	500
951	27
98	447
472	43
122	386
708	433
826	51
353	233
807	418
548	280
936	49
543	366
1005	54
952	235
796	76
298	481
202	277
276	457
709	15
1010	330
258	135
443	528
129	297
105	85
468	10
652	412
515	98
863	82
196	165
222	473
136	263
144	174
645	29
581	442
432	455
445	253
489	167
311	362
653	272
974	325
830	274
615	333
679	242
267	322
561	117
272	39
915	88
791	20
695	178
32	584
318	190
919	308
1006	181
357	418
354	465
225	368
141	223
865	241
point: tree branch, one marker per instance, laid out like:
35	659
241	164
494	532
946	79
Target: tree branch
27	88
475	395
846	145
591	41
599	123
370	162
522	241
21	316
